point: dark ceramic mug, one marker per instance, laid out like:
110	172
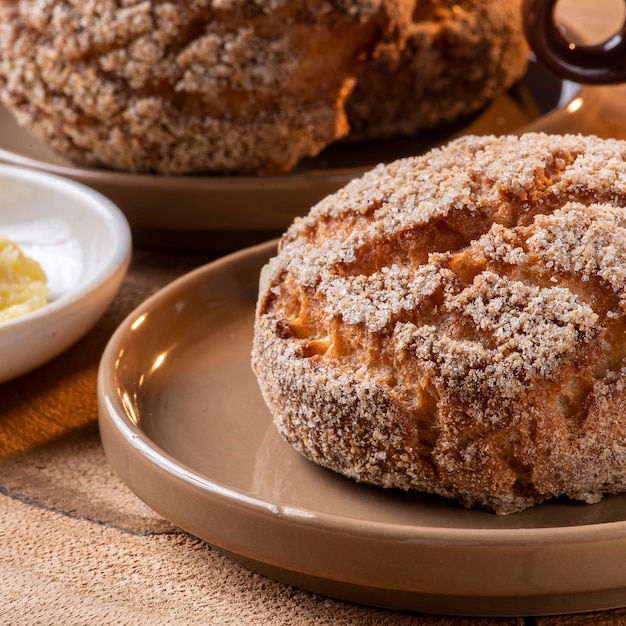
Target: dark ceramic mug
603	63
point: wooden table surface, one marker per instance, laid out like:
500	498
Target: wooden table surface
77	547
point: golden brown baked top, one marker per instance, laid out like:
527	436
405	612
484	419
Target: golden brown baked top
476	296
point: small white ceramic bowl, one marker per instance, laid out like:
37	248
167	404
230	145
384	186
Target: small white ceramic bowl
82	241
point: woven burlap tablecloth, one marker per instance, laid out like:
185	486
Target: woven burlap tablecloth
77	547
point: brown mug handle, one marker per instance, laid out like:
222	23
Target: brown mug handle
603	63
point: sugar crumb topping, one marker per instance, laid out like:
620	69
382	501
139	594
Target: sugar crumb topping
497	305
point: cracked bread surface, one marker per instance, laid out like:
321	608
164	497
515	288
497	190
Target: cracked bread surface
172	87
454	323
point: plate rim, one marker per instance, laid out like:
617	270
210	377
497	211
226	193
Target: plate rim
453	570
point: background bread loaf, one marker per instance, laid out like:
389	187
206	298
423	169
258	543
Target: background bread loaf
246	86
459	56
173	87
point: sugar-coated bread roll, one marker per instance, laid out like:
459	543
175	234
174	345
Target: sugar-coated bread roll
459	56
455	323
172	87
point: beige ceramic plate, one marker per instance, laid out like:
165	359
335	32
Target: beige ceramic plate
183	423
159	208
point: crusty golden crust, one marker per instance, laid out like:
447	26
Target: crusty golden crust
173	87
459	56
455	323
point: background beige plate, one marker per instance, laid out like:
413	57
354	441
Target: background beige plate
183	423
180	211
